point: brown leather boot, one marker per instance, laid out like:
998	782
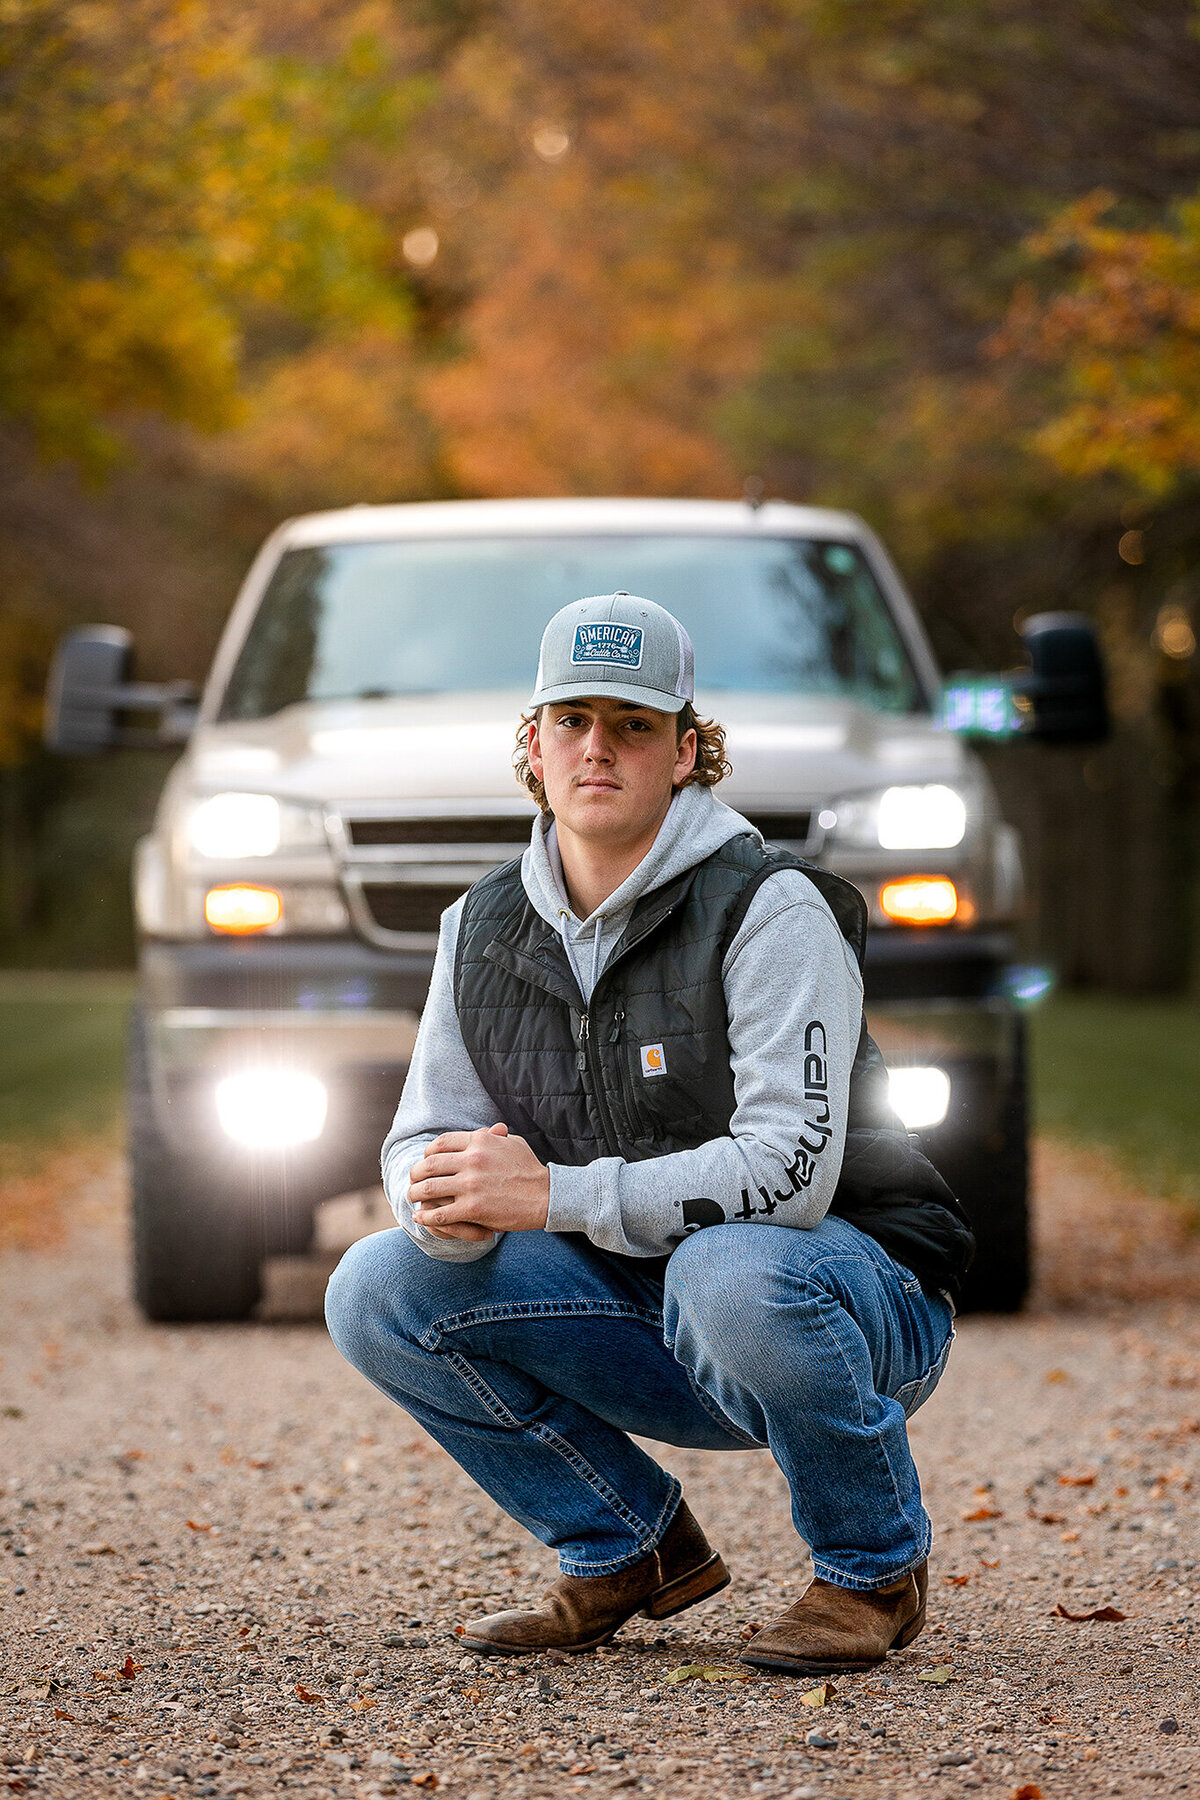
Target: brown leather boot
835	1630
582	1612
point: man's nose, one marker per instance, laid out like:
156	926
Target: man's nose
598	748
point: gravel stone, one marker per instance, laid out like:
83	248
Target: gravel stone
338	1548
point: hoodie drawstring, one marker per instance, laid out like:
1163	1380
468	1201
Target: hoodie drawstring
596	950
564	929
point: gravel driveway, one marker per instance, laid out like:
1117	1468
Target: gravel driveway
231	1568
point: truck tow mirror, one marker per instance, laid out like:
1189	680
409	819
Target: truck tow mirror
1065	691
89	693
1059	698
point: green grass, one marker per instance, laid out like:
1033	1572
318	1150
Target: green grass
1123	1075
62	1055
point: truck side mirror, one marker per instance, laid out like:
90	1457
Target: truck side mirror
89	689
1065	689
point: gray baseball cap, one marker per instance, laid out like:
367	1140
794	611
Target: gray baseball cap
618	646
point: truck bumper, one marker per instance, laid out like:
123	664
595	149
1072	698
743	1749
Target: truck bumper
339	1012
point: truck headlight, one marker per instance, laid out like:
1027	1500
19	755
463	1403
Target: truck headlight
920	1097
929	817
227	827
272	1109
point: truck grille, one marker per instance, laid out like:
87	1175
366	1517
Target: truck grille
364	832
407	906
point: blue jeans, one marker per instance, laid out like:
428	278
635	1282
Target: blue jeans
532	1366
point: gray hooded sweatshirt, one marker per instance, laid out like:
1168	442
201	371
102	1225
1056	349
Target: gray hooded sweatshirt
787	967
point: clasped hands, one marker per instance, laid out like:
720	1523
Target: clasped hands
471	1184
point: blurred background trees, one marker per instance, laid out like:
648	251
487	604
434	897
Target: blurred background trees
936	261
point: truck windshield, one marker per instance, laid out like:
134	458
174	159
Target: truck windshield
364	621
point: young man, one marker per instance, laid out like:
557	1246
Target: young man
650	1184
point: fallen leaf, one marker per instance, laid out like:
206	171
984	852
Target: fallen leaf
982	1512
129	1669
750	1629
1082	1478
528	1750
1030	1791
989	1565
12	1412
1102	1614
819	1696
583	1769
471	1693
1056	1375
309	1699
708	1672
192	1526
363	1704
1047	1518
259	1462
426	1779
956	1580
1068	1537
60	1714
98	1550
937	1677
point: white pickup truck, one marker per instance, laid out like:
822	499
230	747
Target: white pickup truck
348	772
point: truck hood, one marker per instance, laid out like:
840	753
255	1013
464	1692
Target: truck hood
459	747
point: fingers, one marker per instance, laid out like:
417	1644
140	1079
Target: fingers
439	1187
449	1140
500	1130
470	1234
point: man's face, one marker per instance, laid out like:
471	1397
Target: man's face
609	767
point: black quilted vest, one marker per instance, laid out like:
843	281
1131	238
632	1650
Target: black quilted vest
569	1079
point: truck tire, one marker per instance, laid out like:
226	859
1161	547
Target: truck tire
992	1181
199	1234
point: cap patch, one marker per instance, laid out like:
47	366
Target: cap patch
607	642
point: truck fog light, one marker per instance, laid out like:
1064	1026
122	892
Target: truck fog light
920	900
269	1109
241	909
921	1097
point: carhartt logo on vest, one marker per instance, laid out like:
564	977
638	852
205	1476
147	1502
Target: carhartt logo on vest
605	642
654	1059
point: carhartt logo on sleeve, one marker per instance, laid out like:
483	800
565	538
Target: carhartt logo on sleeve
654	1059
605	642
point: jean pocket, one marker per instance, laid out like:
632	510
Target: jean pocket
915	1393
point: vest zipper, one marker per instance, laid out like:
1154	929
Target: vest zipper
595	1089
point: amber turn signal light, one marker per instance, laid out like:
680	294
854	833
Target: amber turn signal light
240	909
920	900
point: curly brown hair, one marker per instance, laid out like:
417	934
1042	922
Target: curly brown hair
711	765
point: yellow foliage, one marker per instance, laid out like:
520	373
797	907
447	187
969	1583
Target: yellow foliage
1123	335
337	423
162	178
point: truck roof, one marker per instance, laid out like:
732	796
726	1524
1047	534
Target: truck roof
522	518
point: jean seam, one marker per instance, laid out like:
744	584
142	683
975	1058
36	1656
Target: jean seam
647	1534
657	1532
499	1313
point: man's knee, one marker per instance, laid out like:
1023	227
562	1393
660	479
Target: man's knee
370	1292
711	1303
726	1287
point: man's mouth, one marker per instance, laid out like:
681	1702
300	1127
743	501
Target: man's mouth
600	781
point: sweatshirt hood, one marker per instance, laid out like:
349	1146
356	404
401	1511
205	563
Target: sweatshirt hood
697	823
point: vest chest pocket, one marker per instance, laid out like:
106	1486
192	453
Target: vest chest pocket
658	1088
